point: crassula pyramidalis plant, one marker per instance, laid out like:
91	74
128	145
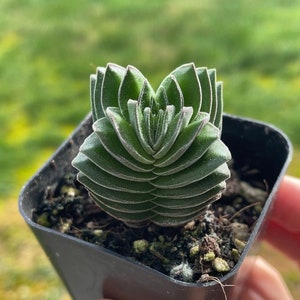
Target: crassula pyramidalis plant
154	156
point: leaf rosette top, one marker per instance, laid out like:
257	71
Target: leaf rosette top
154	156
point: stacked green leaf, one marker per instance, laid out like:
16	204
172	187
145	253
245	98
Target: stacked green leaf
154	156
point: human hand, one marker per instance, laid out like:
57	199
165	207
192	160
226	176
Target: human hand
283	230
263	281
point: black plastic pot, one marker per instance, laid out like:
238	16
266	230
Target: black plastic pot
91	272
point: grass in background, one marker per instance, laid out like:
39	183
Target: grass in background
49	48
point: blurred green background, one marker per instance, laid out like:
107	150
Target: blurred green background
49	48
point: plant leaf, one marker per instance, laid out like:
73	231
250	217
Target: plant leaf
130	88
172	221
126	207
93	79
216	155
183	141
127	136
95	96
137	121
188	81
169	92
180	121
110	86
146	96
190	202
219	113
163	126
94	150
202	142
102	178
111	143
214	103
206	91
113	195
197	188
124	216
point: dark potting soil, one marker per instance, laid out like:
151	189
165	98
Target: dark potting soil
206	247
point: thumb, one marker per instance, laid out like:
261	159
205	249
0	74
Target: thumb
258	280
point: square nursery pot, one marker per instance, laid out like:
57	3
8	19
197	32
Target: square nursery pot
91	272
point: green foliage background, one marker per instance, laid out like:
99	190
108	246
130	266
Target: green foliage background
49	48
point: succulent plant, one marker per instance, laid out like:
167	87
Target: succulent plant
154	156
